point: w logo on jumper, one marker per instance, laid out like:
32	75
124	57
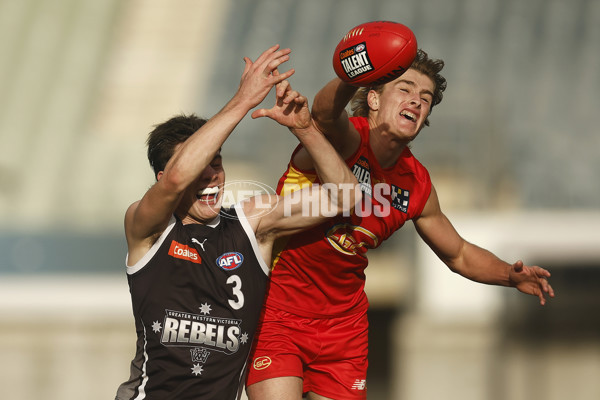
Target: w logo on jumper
199	354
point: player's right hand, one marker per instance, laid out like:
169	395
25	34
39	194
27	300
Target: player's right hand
258	77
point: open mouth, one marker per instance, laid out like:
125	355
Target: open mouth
408	115
208	195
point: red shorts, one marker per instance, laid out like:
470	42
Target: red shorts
330	355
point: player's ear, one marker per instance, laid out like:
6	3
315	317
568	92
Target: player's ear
373	100
160	173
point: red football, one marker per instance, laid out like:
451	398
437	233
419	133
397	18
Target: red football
374	53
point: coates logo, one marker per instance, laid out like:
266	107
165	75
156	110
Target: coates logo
261	362
350	239
184	252
355	60
230	261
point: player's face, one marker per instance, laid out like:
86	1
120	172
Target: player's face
202	200
404	104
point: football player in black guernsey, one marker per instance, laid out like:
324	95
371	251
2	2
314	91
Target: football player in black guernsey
198	272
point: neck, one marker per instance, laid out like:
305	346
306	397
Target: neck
387	148
187	219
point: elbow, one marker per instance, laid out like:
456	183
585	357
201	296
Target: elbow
460	269
321	117
174	181
453	268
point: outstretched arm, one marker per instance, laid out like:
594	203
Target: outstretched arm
256	82
147	218
338	192
330	117
329	106
474	262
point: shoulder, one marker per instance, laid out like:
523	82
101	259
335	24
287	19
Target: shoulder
362	128
360	123
255	209
131	210
129	220
410	162
422	186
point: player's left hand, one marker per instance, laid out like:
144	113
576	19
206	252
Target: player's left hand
531	280
290	109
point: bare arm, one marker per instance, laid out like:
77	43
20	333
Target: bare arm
474	262
338	192
330	117
146	219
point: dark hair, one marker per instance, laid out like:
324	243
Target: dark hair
423	64
167	135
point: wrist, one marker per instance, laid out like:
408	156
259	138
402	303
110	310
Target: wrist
510	281
306	132
241	103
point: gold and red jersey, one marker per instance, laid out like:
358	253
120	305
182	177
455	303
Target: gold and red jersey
321	272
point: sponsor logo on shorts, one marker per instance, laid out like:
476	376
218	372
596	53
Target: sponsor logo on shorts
230	261
184	252
262	362
355	60
359	384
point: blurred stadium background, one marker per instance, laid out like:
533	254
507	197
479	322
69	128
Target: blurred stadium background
514	151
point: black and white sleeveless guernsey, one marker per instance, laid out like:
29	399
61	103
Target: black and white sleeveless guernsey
197	297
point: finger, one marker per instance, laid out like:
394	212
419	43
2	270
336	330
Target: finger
300	100
273	64
542	299
261	112
290	96
282	87
247	66
544	272
544	284
281	53
266	60
518	266
267	53
283	76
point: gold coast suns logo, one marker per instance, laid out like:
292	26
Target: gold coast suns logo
261	362
351	239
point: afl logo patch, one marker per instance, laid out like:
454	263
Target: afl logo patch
261	362
230	261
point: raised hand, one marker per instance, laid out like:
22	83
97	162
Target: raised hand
290	109
531	280
258	77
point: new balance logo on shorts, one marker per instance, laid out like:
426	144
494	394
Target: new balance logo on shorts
359	384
